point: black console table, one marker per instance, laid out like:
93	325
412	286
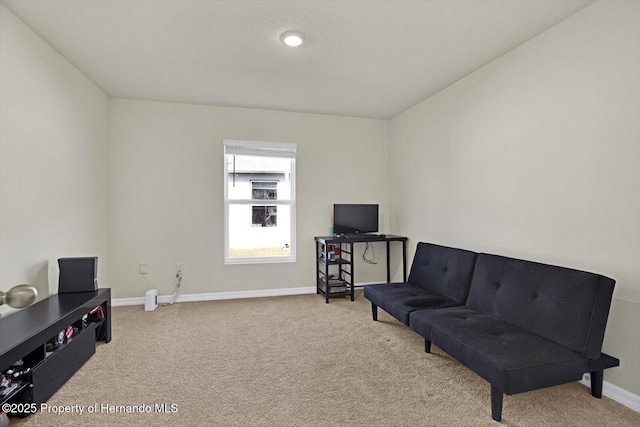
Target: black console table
24	334
342	283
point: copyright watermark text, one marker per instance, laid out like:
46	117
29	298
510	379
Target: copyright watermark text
96	408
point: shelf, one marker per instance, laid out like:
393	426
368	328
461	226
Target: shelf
14	393
333	282
335	290
60	347
332	285
333	262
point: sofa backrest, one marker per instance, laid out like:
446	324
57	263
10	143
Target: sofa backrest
568	307
444	270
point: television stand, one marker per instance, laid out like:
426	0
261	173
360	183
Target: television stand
24	336
342	281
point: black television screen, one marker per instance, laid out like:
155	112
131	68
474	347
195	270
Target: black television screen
355	219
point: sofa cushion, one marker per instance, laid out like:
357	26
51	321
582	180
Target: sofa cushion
510	358
568	307
400	299
443	271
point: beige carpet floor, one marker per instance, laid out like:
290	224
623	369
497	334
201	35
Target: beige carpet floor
295	361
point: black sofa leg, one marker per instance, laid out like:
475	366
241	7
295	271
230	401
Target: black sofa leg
596	384
496	403
427	346
374	311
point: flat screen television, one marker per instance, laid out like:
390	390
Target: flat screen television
351	219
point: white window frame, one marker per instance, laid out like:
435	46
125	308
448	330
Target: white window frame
266	149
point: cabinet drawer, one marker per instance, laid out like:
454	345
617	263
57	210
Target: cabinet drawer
55	370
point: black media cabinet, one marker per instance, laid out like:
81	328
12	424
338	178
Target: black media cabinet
24	334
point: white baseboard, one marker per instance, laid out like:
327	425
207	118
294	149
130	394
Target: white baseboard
213	296
616	393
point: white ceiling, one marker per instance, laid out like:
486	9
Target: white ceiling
363	58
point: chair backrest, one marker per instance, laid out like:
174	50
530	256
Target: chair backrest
566	306
444	270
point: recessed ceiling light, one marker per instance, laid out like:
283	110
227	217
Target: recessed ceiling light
292	38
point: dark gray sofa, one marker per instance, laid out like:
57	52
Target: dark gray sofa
523	326
439	277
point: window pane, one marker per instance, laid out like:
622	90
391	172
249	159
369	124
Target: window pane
256	177
259	231
264	216
264	190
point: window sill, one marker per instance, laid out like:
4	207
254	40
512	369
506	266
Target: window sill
259	260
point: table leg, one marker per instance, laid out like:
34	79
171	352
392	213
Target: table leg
388	263
404	260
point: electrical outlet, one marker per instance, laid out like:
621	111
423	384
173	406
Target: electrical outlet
179	269
143	268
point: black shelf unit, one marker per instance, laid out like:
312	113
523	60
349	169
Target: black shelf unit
25	335
334	273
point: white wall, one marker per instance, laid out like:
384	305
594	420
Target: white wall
166	191
53	154
537	156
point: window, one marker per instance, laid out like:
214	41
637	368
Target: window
259	201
